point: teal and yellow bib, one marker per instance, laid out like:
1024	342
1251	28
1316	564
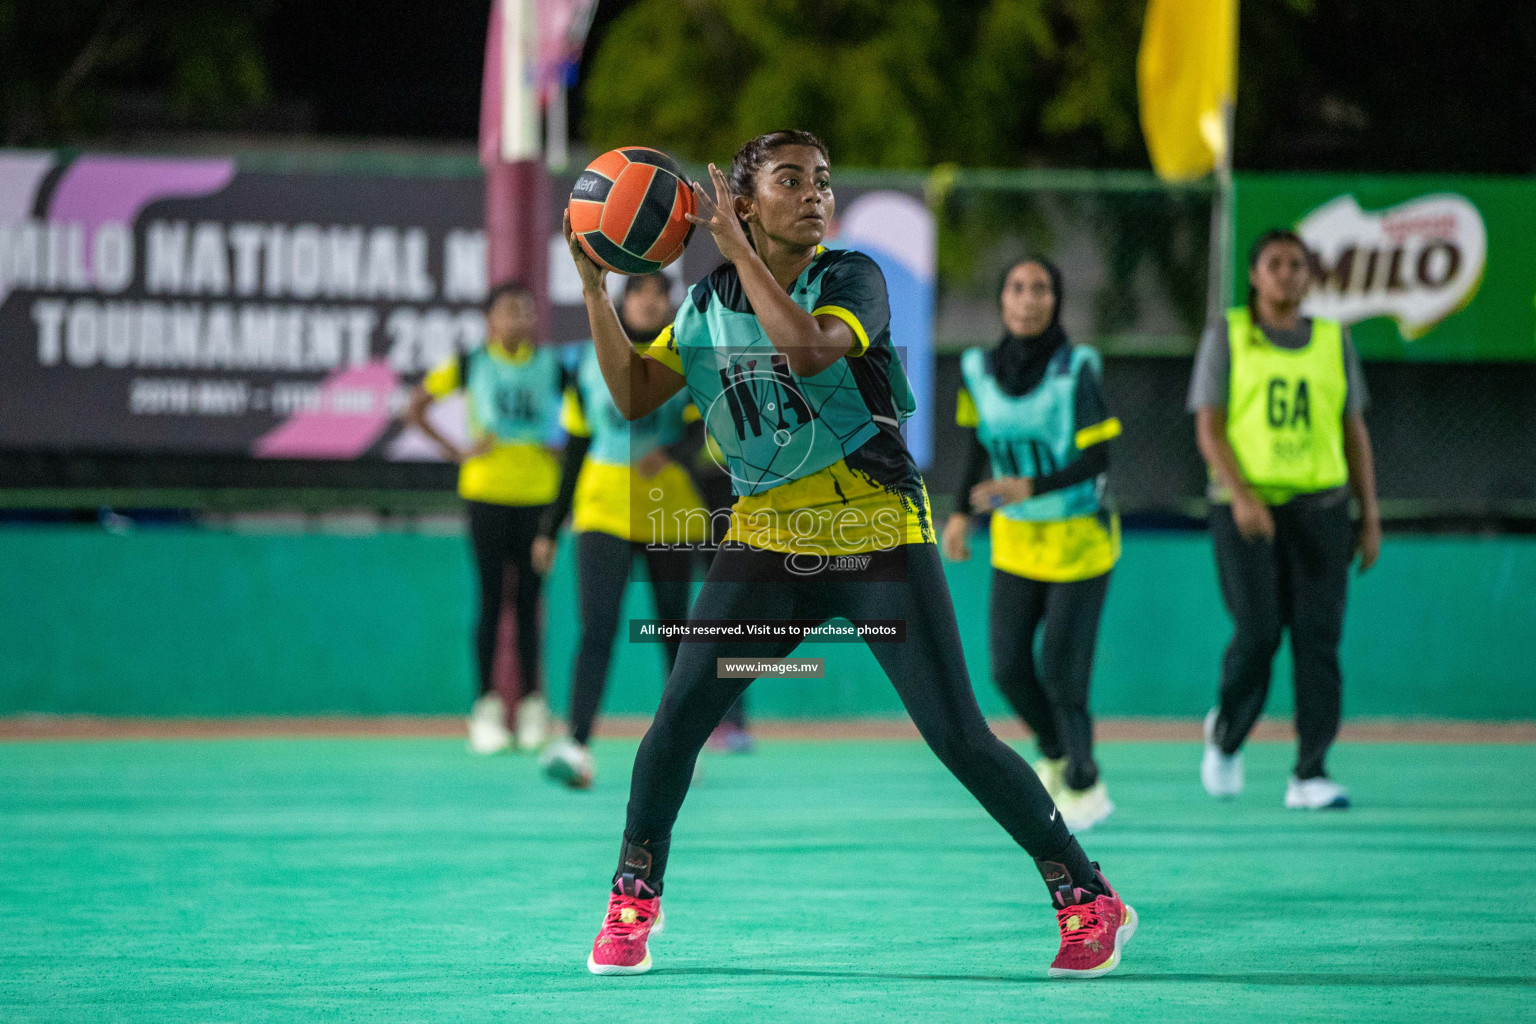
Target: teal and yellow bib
1033	434
615	440
514	400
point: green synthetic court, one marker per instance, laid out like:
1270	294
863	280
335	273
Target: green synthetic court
403	880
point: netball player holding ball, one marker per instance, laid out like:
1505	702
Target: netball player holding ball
786	349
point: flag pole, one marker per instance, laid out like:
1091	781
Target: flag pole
1223	205
1219	295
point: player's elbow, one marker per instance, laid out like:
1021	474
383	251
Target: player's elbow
809	360
634	407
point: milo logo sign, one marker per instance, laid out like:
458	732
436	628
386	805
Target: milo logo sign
1417	262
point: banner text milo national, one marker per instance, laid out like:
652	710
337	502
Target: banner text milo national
187	305
1431	268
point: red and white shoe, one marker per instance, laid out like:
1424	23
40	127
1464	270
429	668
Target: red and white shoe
1092	934
621	945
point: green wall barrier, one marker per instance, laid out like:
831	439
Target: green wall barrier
191	622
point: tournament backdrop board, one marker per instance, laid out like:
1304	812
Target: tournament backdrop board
181	305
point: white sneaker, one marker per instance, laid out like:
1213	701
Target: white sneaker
488	733
532	722
1081	809
1221	774
1319	794
1051	771
566	761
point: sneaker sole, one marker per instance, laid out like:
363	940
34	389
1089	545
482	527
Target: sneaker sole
487	749
639	968
1338	804
1122	936
560	771
613	969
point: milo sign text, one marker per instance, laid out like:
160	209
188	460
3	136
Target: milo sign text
1418	262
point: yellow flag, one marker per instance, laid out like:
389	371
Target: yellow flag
1187	73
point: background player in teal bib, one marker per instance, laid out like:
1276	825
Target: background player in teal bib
1042	431
786	350
507	476
631	495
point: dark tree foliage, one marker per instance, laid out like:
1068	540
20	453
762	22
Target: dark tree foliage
69	67
1358	85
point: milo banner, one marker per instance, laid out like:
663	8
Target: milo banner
1432	268
186	306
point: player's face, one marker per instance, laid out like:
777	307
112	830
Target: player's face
1280	277
1028	301
793	201
648	307
510	318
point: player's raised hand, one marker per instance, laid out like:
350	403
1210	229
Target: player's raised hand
719	216
592	275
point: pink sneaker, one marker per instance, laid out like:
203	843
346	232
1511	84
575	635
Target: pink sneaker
1092	934
621	945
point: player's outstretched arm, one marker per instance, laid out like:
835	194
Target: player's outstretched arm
638	385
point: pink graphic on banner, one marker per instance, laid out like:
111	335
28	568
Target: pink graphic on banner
351	414
97	190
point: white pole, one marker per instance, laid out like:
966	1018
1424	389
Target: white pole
519	107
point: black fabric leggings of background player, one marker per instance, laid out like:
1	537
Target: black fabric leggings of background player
1053	701
603	564
1299	582
501	537
927	670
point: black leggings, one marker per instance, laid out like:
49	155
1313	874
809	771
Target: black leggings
1054	701
502	539
603	563
928	671
1299	581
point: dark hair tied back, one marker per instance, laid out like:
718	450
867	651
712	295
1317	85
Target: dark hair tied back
751	157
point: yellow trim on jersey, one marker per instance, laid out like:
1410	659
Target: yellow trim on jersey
664	350
511	474
691	413
966	413
518	473
834	511
1098	433
847	317
618	501
443	380
572	419
1056	550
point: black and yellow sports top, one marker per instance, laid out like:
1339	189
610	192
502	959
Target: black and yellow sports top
818	463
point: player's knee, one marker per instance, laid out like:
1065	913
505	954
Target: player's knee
960	747
1257	639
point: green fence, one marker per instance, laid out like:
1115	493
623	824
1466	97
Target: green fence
188	622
